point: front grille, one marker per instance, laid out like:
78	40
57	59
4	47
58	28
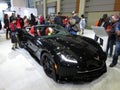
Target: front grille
74	75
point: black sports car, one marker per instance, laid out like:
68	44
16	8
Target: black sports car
65	57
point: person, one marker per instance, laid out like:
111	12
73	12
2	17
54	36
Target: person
111	38
19	26
48	21
65	21
12	17
13	33
32	31
32	20
41	19
76	17
6	25
116	27
74	23
26	21
19	22
49	31
58	19
82	23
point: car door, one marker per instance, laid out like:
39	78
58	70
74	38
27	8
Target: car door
32	43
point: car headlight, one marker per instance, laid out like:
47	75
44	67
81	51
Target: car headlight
68	59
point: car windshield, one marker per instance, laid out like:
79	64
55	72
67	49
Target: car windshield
60	30
45	31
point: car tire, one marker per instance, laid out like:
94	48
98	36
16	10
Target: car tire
48	66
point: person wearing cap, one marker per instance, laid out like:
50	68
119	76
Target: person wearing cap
116	27
75	16
74	24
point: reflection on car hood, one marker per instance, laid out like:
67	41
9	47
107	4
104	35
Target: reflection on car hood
74	45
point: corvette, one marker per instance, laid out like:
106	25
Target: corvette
65	57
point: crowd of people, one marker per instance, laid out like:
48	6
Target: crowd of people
13	24
74	24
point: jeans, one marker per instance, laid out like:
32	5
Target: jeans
73	33
116	53
110	45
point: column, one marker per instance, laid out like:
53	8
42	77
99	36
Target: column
18	3
82	7
44	8
58	5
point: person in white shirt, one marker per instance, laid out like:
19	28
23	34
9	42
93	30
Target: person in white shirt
82	24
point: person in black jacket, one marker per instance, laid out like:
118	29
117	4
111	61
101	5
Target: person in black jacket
6	25
32	20
116	28
58	19
12	17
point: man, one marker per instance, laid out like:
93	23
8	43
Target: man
58	19
12	17
116	26
32	19
74	22
75	16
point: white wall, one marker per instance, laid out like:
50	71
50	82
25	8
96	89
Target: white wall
18	3
22	11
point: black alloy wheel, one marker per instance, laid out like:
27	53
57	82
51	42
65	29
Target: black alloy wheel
48	66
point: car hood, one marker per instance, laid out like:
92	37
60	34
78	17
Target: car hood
75	46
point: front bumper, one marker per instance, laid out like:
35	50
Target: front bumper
74	74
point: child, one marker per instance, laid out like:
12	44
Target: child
13	34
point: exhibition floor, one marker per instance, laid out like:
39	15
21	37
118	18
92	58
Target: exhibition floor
19	71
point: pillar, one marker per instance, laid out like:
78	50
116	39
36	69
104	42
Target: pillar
82	7
58	5
18	3
44	8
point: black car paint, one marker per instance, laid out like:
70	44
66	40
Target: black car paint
84	50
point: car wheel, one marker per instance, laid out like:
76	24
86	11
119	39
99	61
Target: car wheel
48	66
